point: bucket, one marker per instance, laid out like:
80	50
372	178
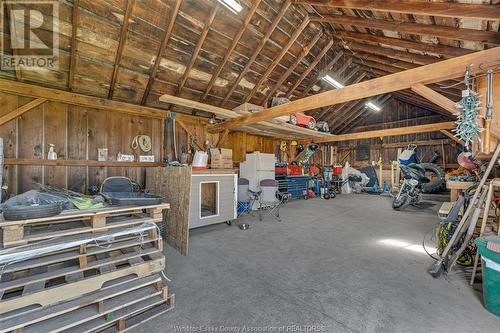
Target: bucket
337	169
200	160
490	261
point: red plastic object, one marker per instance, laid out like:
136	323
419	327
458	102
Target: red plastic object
303	120
337	169
314	170
280	170
295	170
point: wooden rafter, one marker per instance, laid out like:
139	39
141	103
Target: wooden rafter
280	56
291	68
257	50
222	139
444	50
121	45
22	109
327	109
453	10
71	98
462	34
310	68
351	74
230	50
336	119
74	30
437	72
417	100
391	53
328	68
435	97
197	49
161	50
387	132
362	114
453	137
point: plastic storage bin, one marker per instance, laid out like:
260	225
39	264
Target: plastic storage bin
490	261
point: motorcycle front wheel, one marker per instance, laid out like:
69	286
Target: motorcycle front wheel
401	201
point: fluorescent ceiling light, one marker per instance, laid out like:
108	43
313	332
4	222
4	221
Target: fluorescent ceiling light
373	106
332	81
232	5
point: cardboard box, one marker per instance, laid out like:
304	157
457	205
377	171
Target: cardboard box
221	158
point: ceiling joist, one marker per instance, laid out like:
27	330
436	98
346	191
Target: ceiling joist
437	72
291	68
257	50
442	9
440	31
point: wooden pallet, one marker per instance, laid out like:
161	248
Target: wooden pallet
117	304
72	222
32	283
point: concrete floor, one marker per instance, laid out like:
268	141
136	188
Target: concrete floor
351	264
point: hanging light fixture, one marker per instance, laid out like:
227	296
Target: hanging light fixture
373	106
327	78
232	5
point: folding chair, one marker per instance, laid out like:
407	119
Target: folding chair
270	198
244	199
117	184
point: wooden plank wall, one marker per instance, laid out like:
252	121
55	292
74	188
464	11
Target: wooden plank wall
77	132
174	185
400	114
240	142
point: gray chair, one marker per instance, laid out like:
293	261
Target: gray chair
270	198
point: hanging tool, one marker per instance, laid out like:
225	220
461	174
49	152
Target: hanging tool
143	142
170	128
489	111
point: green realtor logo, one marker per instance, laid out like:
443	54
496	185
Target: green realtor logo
31	37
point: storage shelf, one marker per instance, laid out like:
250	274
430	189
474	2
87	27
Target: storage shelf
27	161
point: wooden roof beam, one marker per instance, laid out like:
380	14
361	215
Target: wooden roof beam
350	112
388	132
257	50
276	61
230	50
435	98
161	50
446	51
394	54
453	10
197	49
453	137
362	114
291	68
21	110
437	72
310	68
74	29
462	34
121	45
327	110
29	90
324	72
420	102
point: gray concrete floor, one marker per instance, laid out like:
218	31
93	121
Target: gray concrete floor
350	264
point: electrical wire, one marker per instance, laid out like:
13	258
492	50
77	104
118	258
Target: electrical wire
423	243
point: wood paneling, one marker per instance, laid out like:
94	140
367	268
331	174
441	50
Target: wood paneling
76	132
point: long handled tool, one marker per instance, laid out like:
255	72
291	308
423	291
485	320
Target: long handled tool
438	267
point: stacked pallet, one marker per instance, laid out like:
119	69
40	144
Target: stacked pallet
90	271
